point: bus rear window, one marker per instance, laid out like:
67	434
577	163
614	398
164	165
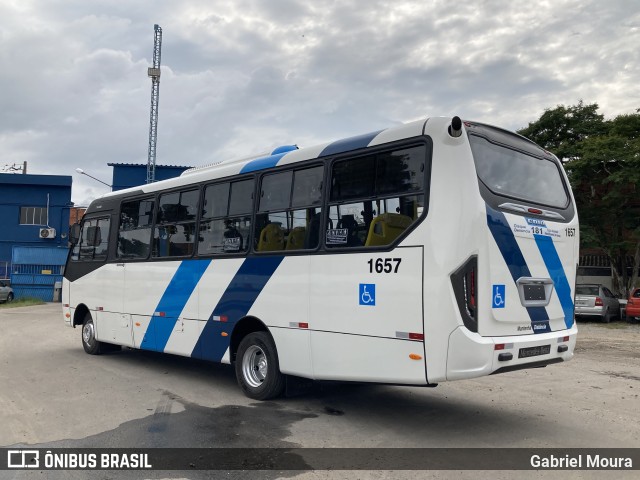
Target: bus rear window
514	174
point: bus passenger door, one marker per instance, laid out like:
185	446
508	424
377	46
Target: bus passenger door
113	324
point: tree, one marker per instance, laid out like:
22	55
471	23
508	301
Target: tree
602	159
563	130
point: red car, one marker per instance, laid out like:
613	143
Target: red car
633	306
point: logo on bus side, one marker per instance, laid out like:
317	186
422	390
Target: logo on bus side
498	296
367	294
536	223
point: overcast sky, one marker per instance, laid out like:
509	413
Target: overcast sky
241	77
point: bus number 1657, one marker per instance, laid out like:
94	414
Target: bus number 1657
386	265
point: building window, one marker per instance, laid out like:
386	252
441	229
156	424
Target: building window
33	216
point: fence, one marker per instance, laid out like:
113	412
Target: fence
35	271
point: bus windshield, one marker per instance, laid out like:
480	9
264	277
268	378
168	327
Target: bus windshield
511	173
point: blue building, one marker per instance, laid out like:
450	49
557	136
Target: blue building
34	212
34	219
127	175
31	204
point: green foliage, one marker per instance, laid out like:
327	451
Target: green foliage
563	129
602	159
22	302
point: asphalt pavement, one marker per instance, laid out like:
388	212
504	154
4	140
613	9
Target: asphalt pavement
52	394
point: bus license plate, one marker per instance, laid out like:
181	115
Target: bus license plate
534	351
533	292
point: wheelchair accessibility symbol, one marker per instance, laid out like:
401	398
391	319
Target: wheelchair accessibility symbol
498	296
367	294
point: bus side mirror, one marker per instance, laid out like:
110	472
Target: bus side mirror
74	233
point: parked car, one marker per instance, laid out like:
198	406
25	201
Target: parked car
596	301
6	292
633	306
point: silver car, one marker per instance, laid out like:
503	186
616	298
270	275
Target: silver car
596	301
6	292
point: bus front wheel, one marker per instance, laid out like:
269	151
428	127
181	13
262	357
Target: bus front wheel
89	342
257	367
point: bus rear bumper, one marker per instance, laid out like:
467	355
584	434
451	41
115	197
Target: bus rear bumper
471	355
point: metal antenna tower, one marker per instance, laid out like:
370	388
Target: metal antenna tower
154	73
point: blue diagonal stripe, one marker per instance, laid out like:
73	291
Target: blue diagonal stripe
348	144
262	163
173	301
235	303
556	272
512	255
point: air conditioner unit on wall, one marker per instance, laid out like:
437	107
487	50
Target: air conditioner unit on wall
47	233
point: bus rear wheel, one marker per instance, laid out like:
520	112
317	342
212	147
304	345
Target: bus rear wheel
257	367
89	342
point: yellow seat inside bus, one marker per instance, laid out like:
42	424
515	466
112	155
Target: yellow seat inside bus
271	238
296	238
385	228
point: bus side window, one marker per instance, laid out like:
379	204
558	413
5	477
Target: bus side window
271	220
82	240
306	201
289	210
226	218
174	235
347	226
101	239
375	198
94	240
134	232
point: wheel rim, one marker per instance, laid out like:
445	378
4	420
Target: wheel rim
10	297
87	332
254	366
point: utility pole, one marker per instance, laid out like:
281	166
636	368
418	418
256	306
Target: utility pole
154	74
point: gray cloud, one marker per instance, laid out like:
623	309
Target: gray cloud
243	77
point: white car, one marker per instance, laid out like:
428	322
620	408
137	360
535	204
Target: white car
6	292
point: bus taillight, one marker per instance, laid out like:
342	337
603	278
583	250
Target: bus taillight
464	281
472	290
469	280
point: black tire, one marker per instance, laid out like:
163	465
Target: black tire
88	335
257	367
606	318
10	298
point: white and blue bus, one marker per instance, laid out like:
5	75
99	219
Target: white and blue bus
432	251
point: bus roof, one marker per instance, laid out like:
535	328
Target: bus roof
285	155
